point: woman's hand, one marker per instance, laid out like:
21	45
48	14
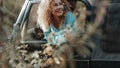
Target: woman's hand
51	37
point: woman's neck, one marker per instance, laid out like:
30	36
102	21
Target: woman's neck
58	18
57	21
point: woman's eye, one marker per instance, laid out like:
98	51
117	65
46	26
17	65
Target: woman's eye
55	4
60	3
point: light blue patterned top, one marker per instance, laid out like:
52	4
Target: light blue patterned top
59	38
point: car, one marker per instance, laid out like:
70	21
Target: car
26	30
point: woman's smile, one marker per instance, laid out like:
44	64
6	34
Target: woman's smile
57	8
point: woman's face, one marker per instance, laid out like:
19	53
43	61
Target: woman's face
57	8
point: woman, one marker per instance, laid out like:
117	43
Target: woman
53	17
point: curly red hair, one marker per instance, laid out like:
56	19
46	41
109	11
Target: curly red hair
44	13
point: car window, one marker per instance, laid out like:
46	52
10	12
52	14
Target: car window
111	30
